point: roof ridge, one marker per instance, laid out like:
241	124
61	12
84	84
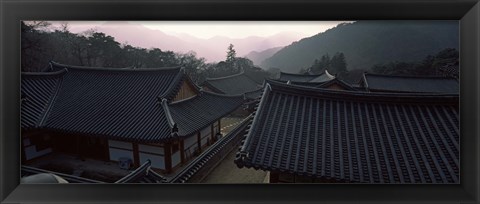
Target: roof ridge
409	76
225	77
242	153
347	94
51	101
347	85
175	83
170	120
184	100
286	73
211	86
223	95
255	90
59	72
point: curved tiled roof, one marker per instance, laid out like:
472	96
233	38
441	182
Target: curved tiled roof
124	104
420	84
305	77
38	91
355	136
121	104
252	95
338	82
202	110
233	84
310	84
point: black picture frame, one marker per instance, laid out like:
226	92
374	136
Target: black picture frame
12	12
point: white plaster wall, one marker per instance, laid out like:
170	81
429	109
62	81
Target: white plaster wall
157	161
115	154
176	159
151	149
190	141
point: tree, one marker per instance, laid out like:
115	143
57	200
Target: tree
319	66
338	63
231	54
193	66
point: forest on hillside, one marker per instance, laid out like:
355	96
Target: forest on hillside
368	43
40	45
431	65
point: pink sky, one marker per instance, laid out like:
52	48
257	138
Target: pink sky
208	39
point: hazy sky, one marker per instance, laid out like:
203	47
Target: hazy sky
209	29
198	36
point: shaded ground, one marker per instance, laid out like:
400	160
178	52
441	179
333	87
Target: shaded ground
86	168
228	172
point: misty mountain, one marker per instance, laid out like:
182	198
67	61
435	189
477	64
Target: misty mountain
366	43
258	57
213	49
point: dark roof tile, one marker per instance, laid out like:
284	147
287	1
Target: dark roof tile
202	110
38	91
124	104
419	84
355	136
232	85
305	77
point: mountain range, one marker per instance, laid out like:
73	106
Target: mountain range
213	49
258	57
366	43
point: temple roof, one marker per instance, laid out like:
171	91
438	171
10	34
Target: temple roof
202	110
40	89
306	77
233	84
354	136
124	104
420	84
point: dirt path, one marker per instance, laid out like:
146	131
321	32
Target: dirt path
228	172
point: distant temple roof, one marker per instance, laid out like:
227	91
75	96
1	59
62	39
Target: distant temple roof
306	77
325	84
354	136
233	85
125	104
419	84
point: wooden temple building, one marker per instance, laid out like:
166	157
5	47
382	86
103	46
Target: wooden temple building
156	115
306	134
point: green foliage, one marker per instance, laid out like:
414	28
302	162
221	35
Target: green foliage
366	43
429	66
231	54
96	49
338	64
319	66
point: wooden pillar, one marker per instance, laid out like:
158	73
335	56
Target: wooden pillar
219	125
78	145
182	151
273	177
199	141
106	151
136	156
212	135
168	157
